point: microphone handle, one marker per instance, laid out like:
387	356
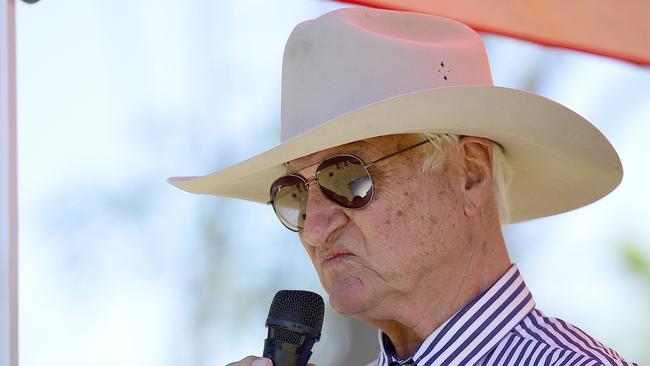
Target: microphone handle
285	354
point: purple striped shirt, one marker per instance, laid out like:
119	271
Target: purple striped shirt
502	327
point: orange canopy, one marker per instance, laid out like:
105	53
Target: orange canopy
613	28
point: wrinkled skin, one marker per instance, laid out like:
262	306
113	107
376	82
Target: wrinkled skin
427	244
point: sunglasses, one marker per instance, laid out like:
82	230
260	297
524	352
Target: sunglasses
343	179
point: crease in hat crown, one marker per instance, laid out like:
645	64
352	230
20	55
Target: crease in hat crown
330	63
358	73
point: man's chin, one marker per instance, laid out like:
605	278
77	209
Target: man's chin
348	296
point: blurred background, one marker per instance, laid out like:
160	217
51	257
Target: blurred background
119	268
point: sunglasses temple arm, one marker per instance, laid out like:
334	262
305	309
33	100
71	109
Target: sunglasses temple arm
396	153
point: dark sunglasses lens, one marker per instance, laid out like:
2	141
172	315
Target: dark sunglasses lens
345	181
289	198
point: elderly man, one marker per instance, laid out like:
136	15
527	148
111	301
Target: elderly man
399	163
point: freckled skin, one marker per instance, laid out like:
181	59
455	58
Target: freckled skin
414	248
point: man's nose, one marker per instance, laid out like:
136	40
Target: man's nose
323	217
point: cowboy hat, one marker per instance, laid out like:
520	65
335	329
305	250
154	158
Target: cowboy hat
358	73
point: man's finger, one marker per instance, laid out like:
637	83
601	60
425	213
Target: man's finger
252	361
262	362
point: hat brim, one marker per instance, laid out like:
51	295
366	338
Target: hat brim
560	160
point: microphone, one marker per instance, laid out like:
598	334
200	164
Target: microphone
294	324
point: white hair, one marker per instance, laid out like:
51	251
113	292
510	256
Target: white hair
501	171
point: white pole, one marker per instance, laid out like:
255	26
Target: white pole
8	189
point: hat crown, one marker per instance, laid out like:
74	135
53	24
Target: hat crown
353	57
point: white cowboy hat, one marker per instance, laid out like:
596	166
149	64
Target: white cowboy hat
358	73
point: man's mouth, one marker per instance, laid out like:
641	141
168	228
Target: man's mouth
336	257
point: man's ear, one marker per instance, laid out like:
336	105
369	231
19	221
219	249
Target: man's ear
477	166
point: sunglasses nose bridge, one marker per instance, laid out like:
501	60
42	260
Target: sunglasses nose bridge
318	197
311	180
319	190
322	216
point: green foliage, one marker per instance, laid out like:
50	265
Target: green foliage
636	260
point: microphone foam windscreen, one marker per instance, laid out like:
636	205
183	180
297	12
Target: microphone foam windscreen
297	306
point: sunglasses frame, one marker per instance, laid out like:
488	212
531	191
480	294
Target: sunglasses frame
307	182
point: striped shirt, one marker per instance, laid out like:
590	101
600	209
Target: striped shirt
502	327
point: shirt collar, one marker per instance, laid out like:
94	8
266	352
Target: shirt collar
475	329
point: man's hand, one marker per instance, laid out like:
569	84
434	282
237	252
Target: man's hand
252	361
256	361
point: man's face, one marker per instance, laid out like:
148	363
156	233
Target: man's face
372	260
